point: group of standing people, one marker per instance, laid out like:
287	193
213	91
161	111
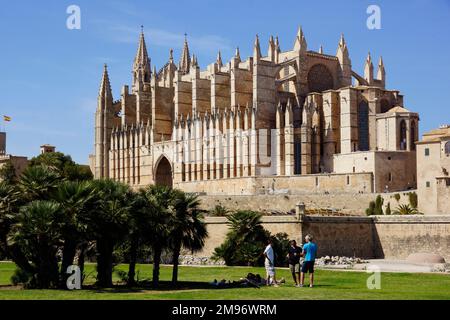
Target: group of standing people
309	252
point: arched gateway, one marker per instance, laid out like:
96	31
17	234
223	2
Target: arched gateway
163	172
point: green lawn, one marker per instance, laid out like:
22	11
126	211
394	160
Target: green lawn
194	285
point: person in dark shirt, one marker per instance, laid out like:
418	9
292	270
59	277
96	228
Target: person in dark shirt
294	254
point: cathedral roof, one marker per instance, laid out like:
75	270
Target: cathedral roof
398	109
436	135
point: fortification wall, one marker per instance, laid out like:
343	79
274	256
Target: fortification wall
391	237
306	184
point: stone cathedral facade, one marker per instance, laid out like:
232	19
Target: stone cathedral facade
295	120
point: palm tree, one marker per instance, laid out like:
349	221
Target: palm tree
109	224
188	228
245	238
38	183
76	199
36	232
159	209
8	206
140	216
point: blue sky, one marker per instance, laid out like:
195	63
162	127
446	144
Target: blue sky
49	75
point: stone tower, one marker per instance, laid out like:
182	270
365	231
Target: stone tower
103	126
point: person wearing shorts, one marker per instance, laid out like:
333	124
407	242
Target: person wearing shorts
269	264
294	254
309	252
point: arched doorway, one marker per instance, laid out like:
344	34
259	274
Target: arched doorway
163	173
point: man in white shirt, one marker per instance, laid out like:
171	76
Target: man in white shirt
269	263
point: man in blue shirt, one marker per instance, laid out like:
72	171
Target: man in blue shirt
309	252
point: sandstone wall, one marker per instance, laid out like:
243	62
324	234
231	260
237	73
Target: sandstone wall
399	236
390	237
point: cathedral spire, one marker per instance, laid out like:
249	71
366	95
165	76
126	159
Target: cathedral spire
368	70
141	66
219	59
105	86
185	60
344	62
171	55
237	54
256	49
272	49
381	74
300	41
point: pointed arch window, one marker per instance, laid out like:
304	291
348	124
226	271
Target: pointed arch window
413	136
447	148
403	135
363	126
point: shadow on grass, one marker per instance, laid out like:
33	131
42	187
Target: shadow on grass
165	286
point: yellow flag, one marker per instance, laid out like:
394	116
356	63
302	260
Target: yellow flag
6	118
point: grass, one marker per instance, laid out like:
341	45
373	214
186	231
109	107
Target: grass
194	285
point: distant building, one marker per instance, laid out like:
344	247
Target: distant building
46	148
433	167
19	162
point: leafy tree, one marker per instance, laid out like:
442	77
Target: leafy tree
63	165
36	232
8	172
188	228
245	240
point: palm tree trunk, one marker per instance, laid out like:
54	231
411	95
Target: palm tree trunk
69	251
156	261
81	258
175	263
133	258
104	263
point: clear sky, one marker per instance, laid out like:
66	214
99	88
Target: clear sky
50	75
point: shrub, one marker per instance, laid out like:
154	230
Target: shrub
245	241
219	211
370	211
379	206
413	199
20	277
388	209
405	209
397	197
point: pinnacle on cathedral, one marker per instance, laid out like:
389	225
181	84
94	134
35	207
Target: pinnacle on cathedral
141	65
368	69
185	60
300	41
219	59
237	54
256	49
105	86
